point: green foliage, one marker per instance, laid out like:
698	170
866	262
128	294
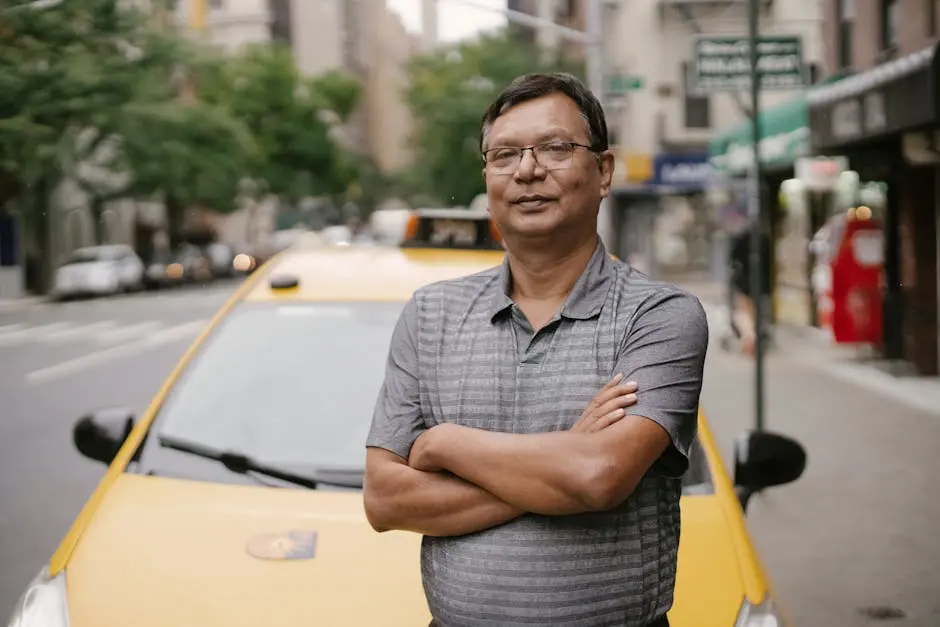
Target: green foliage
188	155
288	115
448	94
64	70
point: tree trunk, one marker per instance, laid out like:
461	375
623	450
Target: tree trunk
97	214
174	221
38	257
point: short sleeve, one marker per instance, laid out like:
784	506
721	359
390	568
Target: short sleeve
397	421
664	352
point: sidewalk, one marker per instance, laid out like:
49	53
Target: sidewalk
813	349
857	533
16	304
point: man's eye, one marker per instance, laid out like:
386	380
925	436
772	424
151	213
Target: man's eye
504	153
558	148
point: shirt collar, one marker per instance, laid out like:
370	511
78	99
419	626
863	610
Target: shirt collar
586	298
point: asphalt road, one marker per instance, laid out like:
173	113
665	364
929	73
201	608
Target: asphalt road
57	361
858	532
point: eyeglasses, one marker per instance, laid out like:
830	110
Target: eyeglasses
554	155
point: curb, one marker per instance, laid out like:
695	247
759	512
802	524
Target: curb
14	304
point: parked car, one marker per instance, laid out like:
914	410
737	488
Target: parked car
236	500
99	271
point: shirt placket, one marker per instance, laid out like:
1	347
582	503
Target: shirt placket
530	348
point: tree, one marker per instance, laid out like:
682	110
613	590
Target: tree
447	95
66	73
187	156
289	115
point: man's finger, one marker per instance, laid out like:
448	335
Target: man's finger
619	402
601	394
614	392
608	419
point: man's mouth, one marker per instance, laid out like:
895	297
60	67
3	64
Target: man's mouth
531	201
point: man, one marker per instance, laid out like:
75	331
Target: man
500	432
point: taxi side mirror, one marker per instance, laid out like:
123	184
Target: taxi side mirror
764	460
100	434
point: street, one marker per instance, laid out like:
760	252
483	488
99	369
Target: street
58	361
855	537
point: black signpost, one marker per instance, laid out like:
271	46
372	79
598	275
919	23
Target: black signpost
758	221
752	62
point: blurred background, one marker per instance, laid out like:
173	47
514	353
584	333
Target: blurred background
153	153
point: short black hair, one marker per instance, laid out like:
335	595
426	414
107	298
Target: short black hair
531	86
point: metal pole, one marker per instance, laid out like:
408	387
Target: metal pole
594	23
758	219
594	26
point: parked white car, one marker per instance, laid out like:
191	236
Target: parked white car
99	271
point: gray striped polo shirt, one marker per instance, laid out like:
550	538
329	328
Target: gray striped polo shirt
462	352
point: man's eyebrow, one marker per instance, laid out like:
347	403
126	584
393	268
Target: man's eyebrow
549	134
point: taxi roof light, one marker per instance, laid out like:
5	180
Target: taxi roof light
451	229
284	282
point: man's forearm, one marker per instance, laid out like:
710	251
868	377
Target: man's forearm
546	473
434	504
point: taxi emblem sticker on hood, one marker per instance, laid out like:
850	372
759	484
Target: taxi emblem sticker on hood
293	545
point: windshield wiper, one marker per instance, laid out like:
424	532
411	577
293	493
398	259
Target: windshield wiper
244	464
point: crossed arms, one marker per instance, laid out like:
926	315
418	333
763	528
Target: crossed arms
452	480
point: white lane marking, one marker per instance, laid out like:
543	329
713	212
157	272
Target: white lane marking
22	335
101	357
128	332
67	334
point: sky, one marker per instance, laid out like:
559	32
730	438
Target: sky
457	19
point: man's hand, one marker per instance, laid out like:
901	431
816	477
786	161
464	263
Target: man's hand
607	406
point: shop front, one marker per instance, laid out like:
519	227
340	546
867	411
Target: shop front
807	200
661	223
784	139
885	122
683	227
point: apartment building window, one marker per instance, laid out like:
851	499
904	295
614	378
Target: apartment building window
280	21
696	107
890	21
846	16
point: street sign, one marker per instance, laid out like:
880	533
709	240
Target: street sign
724	64
623	84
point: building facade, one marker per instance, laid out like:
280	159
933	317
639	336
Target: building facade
569	13
666	131
362	37
883	118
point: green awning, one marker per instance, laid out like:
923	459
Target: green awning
784	137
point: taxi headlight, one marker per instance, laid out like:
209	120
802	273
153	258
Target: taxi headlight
43	604
758	615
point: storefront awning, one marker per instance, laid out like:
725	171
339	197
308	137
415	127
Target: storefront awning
785	136
890	99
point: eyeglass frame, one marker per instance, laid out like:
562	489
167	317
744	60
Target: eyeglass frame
522	150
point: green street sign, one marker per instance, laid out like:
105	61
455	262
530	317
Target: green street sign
724	64
623	84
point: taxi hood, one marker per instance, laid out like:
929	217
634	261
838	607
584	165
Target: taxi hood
164	552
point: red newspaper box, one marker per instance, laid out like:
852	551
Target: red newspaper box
857	281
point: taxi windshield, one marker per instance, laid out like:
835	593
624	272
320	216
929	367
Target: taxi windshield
287	384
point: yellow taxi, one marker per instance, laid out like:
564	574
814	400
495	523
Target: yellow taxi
235	499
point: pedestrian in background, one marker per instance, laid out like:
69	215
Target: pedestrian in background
743	311
536	419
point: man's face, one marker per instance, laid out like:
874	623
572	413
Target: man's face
536	200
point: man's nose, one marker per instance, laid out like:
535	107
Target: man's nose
529	167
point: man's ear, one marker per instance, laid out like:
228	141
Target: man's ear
605	162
